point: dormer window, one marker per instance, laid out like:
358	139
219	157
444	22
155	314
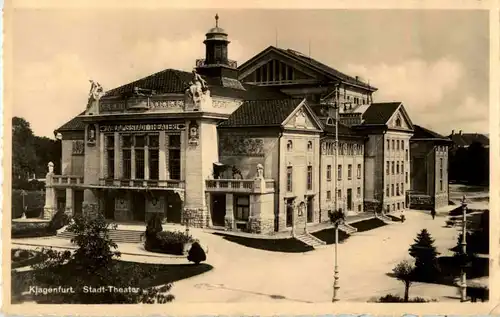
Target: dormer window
398	121
289	145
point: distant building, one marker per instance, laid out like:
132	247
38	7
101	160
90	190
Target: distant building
429	167
242	148
464	140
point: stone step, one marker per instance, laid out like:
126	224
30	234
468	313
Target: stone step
119	236
310	240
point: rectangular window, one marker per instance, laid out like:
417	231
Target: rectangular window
402	189
392	189
392	143
397	189
406	177
127	156
402	145
309	178
397	167
358	191
349	171
328	172
406	155
393	207
388	168
339	194
154	156
339	172
328	195
388	208
397	145
399	206
359	171
359	208
387	191
402	167
289	179
110	152
242	208
140	141
388	144
392	167
174	156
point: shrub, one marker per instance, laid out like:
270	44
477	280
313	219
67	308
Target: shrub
153	227
170	242
404	272
425	254
31	230
94	264
389	298
59	220
196	254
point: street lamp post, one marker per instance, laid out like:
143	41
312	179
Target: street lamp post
336	285
463	279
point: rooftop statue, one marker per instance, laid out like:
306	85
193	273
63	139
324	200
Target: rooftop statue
96	90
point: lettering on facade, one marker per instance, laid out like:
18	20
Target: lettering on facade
239	145
165	104
78	147
328	148
143	127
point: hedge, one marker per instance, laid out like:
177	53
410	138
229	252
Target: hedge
169	242
39	229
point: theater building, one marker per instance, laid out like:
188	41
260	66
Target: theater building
248	148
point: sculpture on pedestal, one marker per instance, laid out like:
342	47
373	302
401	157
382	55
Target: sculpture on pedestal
194	135
197	93
50	195
95	93
260	171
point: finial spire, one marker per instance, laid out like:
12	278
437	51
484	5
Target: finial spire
216	20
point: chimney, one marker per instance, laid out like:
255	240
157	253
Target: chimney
452	132
460	132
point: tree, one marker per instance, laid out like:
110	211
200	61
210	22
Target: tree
424	252
404	271
337	217
23	149
95	265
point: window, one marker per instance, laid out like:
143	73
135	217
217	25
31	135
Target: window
398	121
393	207
388	144
392	167
289	176
406	177
140	141
397	189
339	194
309	177
406	155
309	145
289	145
392	189
392	142
388	167
358	191
242	208
154	156
441	174
339	172
402	189
359	208
328	172
397	167
399	206
127	156
397	145
349	171
402	167
110	152
402	145
328	195
387	191
174	156
388	208
359	171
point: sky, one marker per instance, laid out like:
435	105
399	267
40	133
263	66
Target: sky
435	61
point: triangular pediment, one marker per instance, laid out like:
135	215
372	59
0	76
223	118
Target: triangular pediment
400	120
273	67
302	118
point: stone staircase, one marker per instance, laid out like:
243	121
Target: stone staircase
310	240
118	235
347	228
384	218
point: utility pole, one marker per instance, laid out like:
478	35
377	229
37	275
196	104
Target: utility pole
336	286
463	282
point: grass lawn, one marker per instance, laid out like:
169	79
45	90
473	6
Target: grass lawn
289	245
160	275
328	235
368	224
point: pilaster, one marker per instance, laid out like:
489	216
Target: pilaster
118	165
162	160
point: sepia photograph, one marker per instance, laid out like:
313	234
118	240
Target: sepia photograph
249	156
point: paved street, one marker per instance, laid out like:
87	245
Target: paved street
243	274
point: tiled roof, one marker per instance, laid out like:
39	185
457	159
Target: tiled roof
380	113
343	129
420	132
75	124
262	113
466	139
333	72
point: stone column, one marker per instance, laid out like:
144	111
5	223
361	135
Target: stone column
229	217
162	159
49	208
69	202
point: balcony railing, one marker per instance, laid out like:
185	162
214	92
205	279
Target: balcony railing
170	183
230	63
66	180
238	185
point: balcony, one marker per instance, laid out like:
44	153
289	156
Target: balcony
66	181
239	186
230	63
142	183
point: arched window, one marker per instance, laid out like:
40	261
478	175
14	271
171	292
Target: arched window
289	145
329	121
398	121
